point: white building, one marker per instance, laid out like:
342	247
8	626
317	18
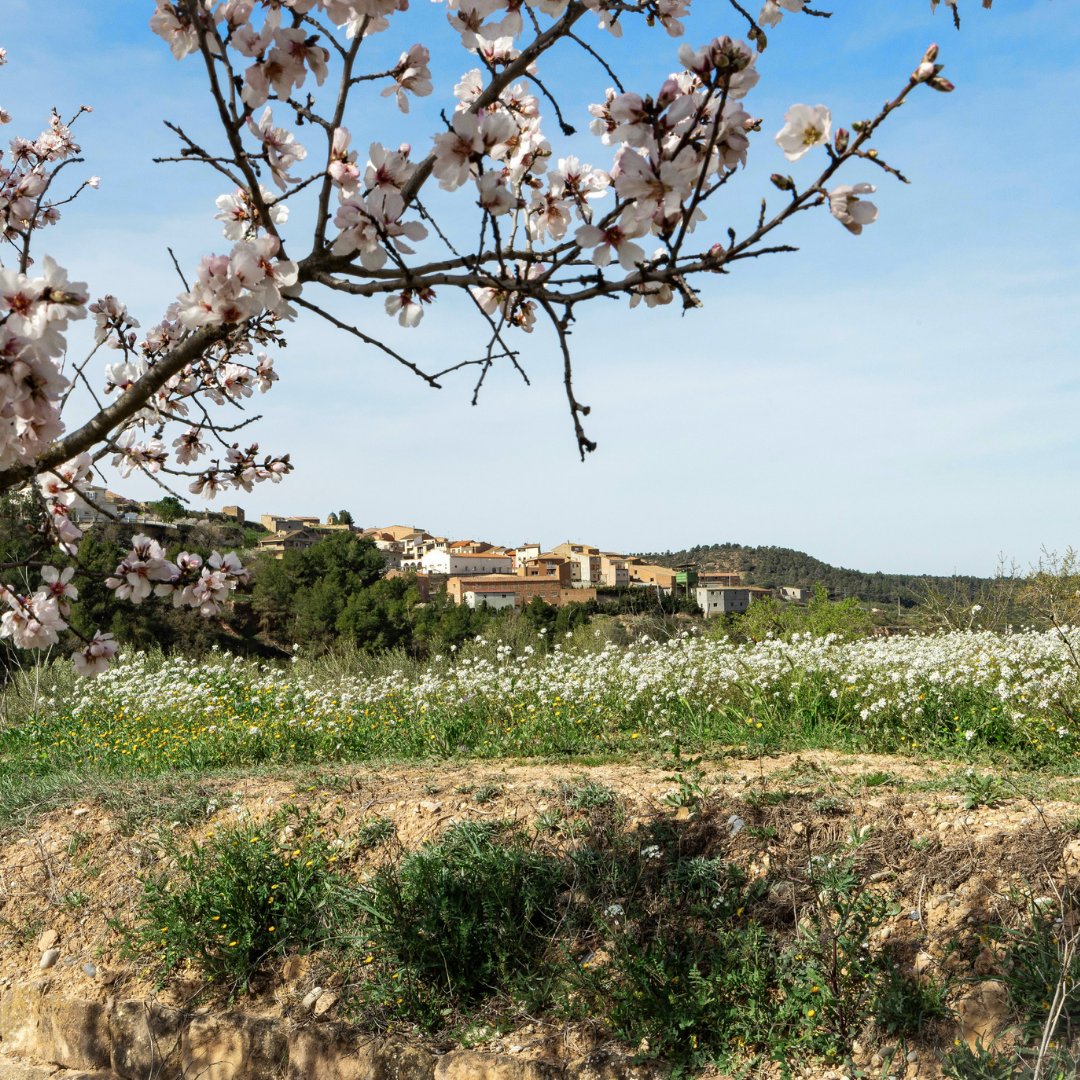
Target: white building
525	552
493	599
99	505
722	599
797	594
440	561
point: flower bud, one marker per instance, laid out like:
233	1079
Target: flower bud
669	93
842	140
923	72
938	83
783	183
930	55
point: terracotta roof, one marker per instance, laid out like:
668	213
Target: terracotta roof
282	536
483	556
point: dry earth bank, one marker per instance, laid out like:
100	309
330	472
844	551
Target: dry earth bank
69	880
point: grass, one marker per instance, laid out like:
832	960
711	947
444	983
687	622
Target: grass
152	715
246	895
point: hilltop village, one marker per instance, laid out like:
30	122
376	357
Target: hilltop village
470	572
479	574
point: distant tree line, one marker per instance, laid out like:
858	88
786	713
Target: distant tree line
771	567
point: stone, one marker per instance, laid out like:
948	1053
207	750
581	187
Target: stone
328	1053
292	969
430	807
90	970
233	1047
470	1065
145	1040
983	1011
310	998
923	960
65	1031
48	959
324	1003
605	1066
48	940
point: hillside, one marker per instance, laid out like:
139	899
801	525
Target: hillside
772	567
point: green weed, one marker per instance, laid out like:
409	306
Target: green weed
464	918
249	893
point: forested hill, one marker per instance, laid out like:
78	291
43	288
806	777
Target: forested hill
775	566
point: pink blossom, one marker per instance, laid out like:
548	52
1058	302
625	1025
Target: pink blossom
614	238
773	10
92	660
849	209
408	306
280	146
58	585
343	170
189	446
412	74
143	571
33	622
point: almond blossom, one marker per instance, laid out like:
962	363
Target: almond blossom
615	239
852	211
343	170
92	660
142	570
408	306
57	583
773	10
148	455
285	66
241	216
280	146
32	622
411	74
806	126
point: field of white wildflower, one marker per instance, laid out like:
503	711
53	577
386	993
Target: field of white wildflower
951	693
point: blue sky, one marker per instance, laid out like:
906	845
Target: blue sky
904	400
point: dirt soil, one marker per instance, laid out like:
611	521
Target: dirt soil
71	876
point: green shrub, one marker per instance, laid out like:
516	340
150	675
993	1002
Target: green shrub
374	831
1037	958
981	1063
242	896
903	1004
465	918
695	993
